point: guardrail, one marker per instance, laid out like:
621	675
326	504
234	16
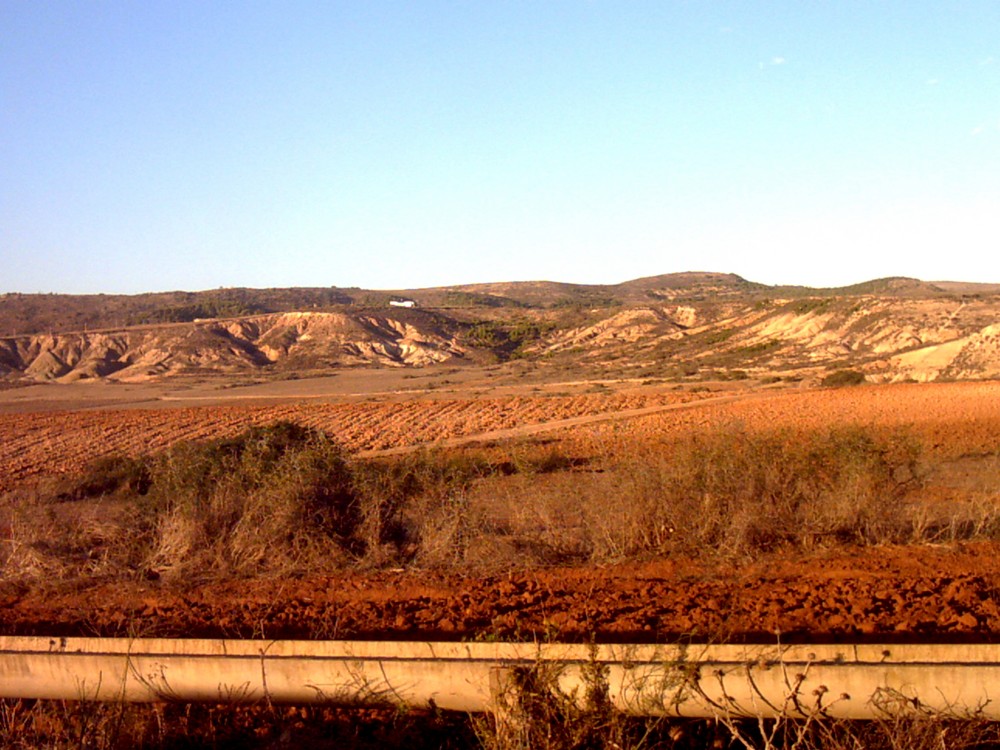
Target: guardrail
837	681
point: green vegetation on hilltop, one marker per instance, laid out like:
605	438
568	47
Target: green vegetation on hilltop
454	298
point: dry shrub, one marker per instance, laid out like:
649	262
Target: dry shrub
541	515
27	528
532	711
895	732
445	529
274	499
76	724
977	517
285	499
534	458
537	715
107	476
738	493
840	378
414	501
438	508
51	541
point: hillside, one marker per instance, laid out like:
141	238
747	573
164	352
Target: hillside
686	326
296	340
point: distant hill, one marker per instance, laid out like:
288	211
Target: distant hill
695	325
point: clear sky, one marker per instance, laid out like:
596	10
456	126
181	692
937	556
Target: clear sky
173	144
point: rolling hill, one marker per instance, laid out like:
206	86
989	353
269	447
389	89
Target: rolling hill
686	326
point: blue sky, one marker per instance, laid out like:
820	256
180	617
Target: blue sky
190	145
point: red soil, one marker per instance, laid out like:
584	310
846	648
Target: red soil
36	444
875	595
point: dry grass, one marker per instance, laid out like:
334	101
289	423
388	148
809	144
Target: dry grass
273	500
285	499
744	494
532	713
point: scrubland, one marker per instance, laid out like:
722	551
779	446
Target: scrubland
285	499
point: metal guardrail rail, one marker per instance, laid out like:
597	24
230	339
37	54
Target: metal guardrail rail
837	681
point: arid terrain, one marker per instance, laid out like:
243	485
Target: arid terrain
700	460
944	589
682	327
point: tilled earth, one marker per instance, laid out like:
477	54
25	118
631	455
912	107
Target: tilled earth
35	444
950	419
890	594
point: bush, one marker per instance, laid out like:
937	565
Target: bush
743	494
285	499
272	499
442	508
267	500
388	489
842	378
109	475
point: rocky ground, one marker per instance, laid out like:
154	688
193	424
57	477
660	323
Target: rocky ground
891	594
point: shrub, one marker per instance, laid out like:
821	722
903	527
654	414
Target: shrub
760	347
742	494
271	499
718	336
803	307
386	489
276	499
284	499
843	377
437	508
268	499
109	475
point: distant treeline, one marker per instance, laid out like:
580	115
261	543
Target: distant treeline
233	303
22	314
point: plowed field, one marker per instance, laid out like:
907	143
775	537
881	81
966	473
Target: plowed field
949	419
62	442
